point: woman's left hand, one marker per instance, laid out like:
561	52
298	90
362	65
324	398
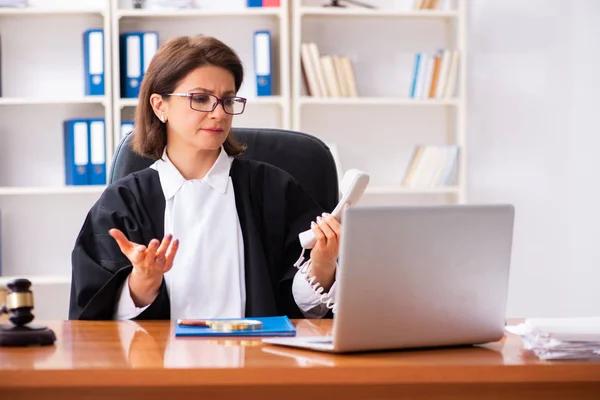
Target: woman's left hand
325	252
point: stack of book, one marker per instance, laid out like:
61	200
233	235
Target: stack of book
327	75
434	75
442	5
431	167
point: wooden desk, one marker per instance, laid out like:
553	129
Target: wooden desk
129	360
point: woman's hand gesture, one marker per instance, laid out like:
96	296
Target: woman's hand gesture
149	264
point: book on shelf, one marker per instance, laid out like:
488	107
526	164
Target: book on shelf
327	75
434	75
431	167
263	3
441	5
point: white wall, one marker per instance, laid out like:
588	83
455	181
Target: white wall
533	141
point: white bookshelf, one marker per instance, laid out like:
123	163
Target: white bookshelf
43	85
41	11
365	12
272	111
374	101
375	132
194	13
40	216
378	130
41	101
47	190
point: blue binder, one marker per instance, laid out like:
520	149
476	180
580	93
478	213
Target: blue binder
272	326
97	141
126	128
76	148
254	3
262	62
136	52
93	64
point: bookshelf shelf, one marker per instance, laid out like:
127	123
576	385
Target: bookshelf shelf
25	101
37	280
375	101
169	23
50	190
242	12
128	103
357	87
34	11
364	12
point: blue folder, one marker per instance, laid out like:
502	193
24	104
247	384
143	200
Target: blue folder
93	64
272	326
136	52
262	63
76	151
97	143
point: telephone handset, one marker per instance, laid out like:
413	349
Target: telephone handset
352	187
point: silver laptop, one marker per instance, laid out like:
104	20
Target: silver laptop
419	276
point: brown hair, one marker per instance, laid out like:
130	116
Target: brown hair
173	61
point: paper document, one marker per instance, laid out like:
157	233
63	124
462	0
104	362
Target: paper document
560	338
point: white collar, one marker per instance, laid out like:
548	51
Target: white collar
171	179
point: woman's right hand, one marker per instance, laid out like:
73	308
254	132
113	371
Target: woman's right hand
149	265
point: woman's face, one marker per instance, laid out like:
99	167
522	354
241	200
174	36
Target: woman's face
199	129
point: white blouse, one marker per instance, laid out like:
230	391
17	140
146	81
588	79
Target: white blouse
207	277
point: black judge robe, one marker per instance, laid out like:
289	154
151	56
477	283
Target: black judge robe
273	208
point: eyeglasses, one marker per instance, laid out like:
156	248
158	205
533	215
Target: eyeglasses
205	102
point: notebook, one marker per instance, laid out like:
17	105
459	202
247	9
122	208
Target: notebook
272	326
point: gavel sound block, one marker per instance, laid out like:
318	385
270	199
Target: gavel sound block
19	332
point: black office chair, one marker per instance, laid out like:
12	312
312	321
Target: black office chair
303	156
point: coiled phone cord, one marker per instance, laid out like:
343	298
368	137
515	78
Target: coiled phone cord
324	298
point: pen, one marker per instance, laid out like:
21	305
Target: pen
193	322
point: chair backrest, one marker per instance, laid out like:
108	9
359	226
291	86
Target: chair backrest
303	156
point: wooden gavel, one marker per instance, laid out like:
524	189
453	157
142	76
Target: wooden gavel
19	304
